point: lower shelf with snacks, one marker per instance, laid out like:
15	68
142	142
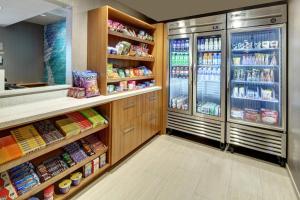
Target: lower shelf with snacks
74	189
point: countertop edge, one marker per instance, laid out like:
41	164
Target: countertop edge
30	112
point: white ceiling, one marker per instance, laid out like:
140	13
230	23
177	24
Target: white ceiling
161	10
14	11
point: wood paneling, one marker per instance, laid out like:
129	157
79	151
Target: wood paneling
97	44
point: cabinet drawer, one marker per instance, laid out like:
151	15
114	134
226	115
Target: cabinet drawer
151	102
126	109
131	136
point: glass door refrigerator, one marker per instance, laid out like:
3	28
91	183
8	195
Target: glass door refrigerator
257	80
197	71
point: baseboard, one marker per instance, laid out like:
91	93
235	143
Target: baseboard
293	181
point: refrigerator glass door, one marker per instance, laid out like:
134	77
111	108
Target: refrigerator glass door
180	62
208	70
256	74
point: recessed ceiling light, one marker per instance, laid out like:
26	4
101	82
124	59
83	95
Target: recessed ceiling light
43	15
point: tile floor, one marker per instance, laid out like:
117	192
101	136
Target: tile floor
173	168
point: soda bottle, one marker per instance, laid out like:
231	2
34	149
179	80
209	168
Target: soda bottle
211	44
219	44
186	72
202	44
206	44
216	44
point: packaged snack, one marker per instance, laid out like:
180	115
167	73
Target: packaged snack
94	117
68	127
76	178
28	139
102	160
252	115
86	147
83	122
64	186
237	113
88	169
90	84
95	163
269	116
48	131
67	159
9	149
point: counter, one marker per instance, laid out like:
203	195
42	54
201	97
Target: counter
30	112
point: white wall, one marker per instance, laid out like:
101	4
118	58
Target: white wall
294	90
79	26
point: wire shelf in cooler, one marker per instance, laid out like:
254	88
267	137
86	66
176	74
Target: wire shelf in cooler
257	66
208	81
254	50
253	99
254	82
208	51
208	65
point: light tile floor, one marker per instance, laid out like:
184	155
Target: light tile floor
173	168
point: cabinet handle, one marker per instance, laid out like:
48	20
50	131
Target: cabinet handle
152	98
128	130
129	106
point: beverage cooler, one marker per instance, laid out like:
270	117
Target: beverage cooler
197	71
257	80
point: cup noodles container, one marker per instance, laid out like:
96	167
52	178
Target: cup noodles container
48	193
64	186
269	116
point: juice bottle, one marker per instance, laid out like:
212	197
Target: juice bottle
205	59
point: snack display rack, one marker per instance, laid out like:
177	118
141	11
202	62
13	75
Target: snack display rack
101	38
56	148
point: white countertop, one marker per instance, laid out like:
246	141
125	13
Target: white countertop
29	112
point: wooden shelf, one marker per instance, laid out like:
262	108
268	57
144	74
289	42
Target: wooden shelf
83	183
127	19
121	35
60	176
129	79
50	148
122	57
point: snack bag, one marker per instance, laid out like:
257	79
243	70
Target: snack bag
89	82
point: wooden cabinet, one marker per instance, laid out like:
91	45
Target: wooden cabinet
134	120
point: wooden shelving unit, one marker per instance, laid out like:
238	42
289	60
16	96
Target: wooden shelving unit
50	148
60	176
100	38
129	78
84	182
